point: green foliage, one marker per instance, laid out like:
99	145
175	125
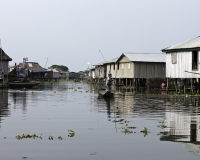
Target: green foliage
71	133
145	131
64	68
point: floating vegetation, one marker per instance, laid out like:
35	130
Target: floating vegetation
145	131
50	137
126	130
60	138
121	120
75	90
28	136
71	133
162	126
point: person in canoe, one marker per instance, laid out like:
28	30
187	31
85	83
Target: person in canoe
109	82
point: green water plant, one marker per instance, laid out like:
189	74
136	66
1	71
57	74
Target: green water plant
50	137
71	133
19	137
60	138
162	126
145	131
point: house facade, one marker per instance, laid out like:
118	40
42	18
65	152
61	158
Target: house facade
4	62
183	60
141	65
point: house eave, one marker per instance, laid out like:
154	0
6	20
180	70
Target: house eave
180	50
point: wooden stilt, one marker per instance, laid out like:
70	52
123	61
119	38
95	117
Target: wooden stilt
199	85
184	86
195	80
167	86
191	89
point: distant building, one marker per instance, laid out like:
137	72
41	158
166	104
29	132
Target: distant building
32	69
73	75
63	74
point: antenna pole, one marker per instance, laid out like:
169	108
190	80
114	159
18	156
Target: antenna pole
46	62
102	55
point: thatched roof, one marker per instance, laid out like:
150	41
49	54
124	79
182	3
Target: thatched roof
5	57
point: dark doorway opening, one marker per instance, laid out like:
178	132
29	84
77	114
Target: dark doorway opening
194	60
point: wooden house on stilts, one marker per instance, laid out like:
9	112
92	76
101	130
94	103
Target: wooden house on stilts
183	63
138	68
4	61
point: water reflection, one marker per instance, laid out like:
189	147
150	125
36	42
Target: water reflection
20	98
4	110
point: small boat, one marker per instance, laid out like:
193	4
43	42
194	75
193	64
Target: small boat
105	93
23	84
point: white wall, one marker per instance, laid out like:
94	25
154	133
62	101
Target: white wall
184	63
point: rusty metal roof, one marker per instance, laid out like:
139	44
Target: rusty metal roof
145	57
192	44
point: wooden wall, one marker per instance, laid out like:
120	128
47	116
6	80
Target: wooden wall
184	63
100	71
149	70
5	67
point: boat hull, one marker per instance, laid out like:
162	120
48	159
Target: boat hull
105	93
23	85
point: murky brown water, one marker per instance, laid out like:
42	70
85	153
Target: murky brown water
76	106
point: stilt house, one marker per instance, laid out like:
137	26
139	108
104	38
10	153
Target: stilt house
4	60
183	60
33	69
100	70
111	67
131	66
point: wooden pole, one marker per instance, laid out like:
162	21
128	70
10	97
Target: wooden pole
191	89
167	86
199	85
184	86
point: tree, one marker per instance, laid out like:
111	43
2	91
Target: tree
64	68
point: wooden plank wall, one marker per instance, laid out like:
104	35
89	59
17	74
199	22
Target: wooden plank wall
100	71
5	67
149	70
184	63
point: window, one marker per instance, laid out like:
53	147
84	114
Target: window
194	60
122	65
118	66
113	66
129	65
110	66
174	58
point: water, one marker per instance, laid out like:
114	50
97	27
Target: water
76	106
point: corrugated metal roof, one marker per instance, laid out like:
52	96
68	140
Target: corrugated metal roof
105	62
146	57
112	60
189	44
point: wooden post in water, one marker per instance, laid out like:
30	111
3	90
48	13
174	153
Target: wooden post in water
191	89
199	85
167	86
184	89
175	83
126	82
195	80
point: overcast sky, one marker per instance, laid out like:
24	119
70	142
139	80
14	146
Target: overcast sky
71	32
